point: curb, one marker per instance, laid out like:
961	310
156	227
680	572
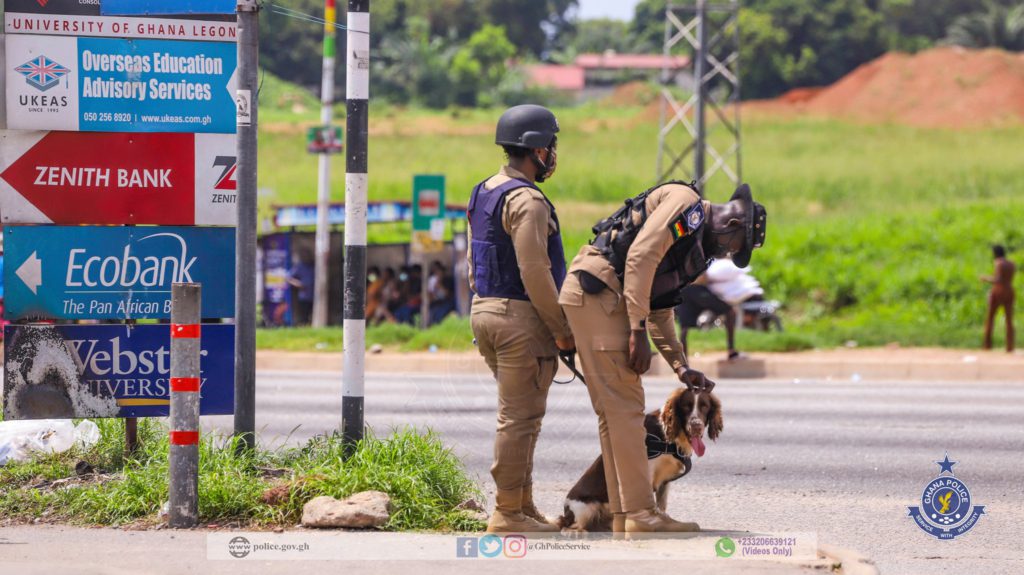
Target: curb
850	562
951	365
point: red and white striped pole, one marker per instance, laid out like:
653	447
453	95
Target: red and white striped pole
185	384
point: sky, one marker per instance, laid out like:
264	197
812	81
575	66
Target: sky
618	9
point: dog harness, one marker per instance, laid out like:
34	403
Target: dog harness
657	447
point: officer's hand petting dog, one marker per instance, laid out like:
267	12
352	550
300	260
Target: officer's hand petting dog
694	379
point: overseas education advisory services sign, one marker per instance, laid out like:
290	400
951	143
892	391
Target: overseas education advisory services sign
118	85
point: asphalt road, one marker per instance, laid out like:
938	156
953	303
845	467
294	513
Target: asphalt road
843	459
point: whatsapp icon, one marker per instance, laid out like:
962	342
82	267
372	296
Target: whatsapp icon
725	547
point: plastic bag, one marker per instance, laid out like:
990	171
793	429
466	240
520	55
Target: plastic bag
21	440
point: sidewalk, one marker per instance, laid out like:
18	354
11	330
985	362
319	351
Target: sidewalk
32	550
850	364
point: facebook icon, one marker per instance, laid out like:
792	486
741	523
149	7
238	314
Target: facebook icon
465	547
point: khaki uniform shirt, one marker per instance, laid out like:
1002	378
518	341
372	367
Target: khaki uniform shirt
527	219
664	205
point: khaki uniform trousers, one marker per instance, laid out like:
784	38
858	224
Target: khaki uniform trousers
522	355
601	328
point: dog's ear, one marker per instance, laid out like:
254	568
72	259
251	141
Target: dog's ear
672	420
714	422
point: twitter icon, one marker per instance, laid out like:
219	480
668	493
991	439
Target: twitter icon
490	545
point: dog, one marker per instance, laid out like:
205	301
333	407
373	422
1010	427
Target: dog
674	433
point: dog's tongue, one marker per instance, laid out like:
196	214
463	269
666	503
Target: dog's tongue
698	445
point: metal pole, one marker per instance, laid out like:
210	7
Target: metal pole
323	231
185	378
699	69
357	80
245	234
663	104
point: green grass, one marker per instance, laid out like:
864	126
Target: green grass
425	480
877	232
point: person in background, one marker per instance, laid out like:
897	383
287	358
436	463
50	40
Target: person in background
438	293
1000	296
722	287
412	296
302	279
374	289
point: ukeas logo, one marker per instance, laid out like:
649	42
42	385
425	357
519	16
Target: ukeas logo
946	509
42	72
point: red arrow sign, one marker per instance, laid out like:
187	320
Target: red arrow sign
114	178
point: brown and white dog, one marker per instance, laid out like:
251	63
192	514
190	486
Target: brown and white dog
674	433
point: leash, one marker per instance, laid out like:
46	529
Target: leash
568	359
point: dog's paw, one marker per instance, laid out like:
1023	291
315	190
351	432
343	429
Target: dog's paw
574	532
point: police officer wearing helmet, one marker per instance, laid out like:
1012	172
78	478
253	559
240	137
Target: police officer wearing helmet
622	287
516	268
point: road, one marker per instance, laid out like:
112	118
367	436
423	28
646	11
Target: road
841	458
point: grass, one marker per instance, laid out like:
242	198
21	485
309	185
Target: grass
877	232
425	480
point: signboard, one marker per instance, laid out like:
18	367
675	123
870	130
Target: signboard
324	140
118	85
109	178
83	18
277	295
428	223
376	213
129	7
85	272
68	371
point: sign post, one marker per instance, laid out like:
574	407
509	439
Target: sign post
428	227
321	275
245	237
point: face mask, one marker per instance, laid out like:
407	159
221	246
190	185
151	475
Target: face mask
372	277
403	277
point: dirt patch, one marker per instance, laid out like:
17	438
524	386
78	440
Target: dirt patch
947	87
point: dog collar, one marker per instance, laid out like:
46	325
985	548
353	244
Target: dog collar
657	447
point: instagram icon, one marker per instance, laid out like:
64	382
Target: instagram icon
515	546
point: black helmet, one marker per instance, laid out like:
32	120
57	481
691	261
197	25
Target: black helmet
526	126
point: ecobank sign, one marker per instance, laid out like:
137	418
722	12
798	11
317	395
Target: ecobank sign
119	85
83	272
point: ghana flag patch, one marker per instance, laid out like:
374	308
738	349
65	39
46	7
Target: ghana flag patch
687	222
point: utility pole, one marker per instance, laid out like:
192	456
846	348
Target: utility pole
321	298
357	93
245	233
699	70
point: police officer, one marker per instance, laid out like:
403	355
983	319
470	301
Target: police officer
622	286
516	267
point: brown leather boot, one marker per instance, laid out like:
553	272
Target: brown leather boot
529	509
654	521
618	526
508	515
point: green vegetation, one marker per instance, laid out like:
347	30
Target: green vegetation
424	479
877	232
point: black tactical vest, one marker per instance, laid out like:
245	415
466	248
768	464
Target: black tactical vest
684	262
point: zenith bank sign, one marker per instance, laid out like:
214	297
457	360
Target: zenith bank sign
113	178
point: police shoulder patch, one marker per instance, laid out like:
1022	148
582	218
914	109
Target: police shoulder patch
687	222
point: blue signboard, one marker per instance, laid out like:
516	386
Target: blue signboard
120	85
92	272
376	213
108	371
160	7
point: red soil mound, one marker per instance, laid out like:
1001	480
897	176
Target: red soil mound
942	87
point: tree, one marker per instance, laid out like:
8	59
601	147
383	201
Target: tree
596	36
480	64
997	27
291	46
413	66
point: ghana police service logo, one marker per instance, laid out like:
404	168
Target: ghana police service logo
946	509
